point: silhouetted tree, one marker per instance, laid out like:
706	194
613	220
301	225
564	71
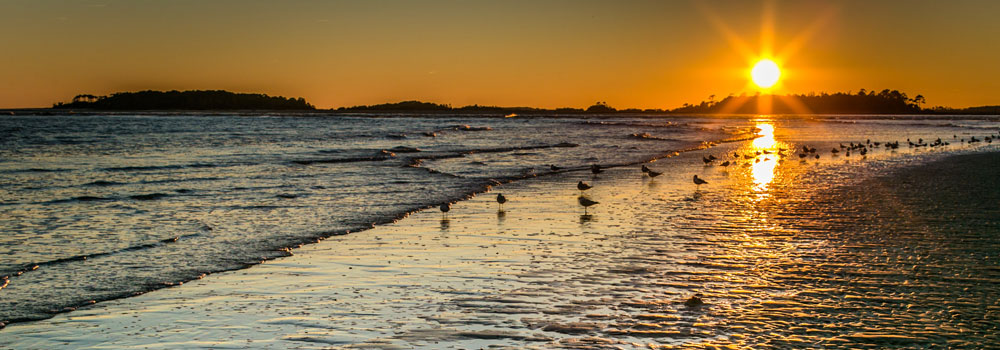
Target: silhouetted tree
600	107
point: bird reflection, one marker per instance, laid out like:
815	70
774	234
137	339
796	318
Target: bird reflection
586	219
445	224
501	215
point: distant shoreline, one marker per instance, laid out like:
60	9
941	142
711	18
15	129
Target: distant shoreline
885	102
485	114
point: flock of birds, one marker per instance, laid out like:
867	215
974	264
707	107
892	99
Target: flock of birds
859	148
582	187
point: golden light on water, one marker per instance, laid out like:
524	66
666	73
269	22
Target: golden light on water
766	139
763	169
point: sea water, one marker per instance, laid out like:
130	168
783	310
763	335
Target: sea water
101	207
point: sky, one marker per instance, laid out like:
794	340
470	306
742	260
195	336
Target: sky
548	53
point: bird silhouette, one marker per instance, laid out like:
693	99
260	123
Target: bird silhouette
583	186
445	208
698	182
645	169
586	203
654	173
501	200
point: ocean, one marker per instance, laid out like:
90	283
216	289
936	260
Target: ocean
103	207
106	206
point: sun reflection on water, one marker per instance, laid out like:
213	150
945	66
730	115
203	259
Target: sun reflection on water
763	168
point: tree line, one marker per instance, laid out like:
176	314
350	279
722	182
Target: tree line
185	100
863	102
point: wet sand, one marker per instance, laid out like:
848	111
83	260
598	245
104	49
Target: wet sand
784	254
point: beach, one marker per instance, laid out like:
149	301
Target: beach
895	249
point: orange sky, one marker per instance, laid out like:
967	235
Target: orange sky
645	54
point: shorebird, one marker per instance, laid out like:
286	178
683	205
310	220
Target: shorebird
698	182
501	199
586	202
554	167
445	208
583	186
726	163
596	169
645	169
706	160
654	173
834	151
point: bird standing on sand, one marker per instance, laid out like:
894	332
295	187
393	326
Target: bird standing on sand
586	202
698	181
445	208
583	186
501	199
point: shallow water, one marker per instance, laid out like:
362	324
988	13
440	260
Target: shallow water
102	207
839	251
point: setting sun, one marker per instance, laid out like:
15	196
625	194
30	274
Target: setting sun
765	73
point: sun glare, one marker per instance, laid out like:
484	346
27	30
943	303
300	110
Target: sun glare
765	73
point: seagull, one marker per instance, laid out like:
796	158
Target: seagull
596	169
445	208
586	202
583	186
501	199
698	181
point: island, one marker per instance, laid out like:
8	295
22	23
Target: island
185	100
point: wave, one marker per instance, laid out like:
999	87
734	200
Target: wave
149	197
144	168
141	197
34	170
647	136
103	183
383	155
80	199
35	266
635	124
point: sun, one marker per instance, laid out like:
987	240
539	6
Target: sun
765	73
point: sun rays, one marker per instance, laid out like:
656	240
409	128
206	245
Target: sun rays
764	67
